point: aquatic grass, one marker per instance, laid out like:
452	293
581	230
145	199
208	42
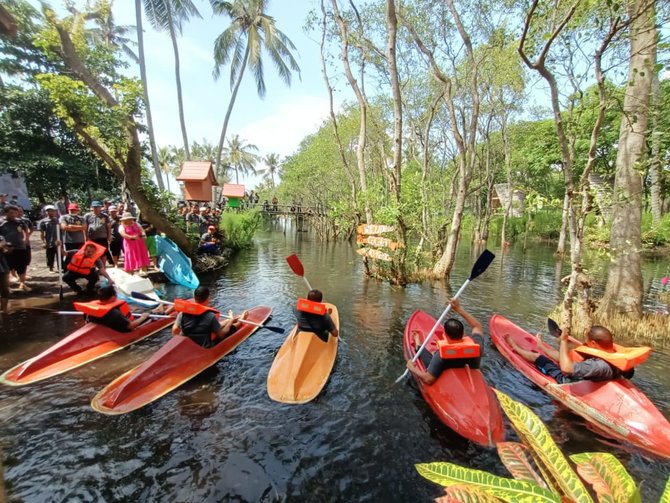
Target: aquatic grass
239	228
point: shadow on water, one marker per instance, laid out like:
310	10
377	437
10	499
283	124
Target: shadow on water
220	438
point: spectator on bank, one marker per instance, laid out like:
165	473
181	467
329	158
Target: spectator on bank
275	202
209	241
4	276
15	232
117	240
3	203
85	263
193	220
61	206
150	240
73	227
31	229
135	253
98	228
48	228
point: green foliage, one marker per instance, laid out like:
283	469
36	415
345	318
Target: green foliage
610	480
239	228
655	234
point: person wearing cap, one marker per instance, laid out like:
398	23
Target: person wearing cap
17	236
135	253
117	240
98	228
73	226
48	228
209	241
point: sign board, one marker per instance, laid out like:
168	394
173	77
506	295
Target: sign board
374	228
375	254
378	241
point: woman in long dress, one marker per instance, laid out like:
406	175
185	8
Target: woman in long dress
135	253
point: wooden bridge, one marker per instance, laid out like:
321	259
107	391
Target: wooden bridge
291	210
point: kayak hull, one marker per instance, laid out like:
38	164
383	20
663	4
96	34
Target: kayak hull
461	397
615	408
302	365
85	345
175	264
126	284
172	365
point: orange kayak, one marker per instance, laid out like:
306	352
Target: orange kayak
616	408
90	342
172	365
460	397
302	365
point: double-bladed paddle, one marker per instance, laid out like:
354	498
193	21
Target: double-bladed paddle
482	263
79	313
553	328
140	295
59	257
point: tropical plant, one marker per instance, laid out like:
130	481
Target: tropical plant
541	472
241	157
250	32
166	159
168	16
107	32
204	151
239	228
273	164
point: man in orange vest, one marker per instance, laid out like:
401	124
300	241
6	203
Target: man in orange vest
454	330
111	312
199	322
320	324
85	263
567	370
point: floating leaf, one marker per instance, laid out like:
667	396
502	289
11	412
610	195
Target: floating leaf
665	497
448	474
535	435
515	458
466	494
607	475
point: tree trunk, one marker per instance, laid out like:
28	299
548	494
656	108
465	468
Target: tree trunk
145	87
656	195
623	293
219	149
562	236
180	99
446	261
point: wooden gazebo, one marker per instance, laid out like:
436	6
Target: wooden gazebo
234	192
198	178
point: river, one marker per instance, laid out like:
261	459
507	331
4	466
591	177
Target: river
220	438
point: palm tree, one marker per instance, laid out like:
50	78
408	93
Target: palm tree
273	164
240	156
107	31
145	87
204	151
251	30
168	15
166	158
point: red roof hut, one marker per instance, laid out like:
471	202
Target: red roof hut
234	192
198	178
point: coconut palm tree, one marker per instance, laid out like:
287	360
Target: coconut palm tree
273	164
145	87
204	151
166	158
251	30
168	15
107	32
241	157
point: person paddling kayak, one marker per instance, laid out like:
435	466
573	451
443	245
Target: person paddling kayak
456	352
311	316
199	322
110	311
596	367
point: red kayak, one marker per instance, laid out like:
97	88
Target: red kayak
90	342
460	397
172	365
616	408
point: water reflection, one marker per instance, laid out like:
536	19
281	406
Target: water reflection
220	438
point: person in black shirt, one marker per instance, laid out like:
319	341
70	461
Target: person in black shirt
321	325
48	228
115	319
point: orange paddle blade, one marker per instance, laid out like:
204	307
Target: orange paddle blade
295	264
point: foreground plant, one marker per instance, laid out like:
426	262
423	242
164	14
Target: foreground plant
541	471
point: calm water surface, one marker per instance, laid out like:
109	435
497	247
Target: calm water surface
220	438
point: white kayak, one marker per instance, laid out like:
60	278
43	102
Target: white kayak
127	283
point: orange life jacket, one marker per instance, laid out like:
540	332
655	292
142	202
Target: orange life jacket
82	264
451	349
193	307
622	357
309	306
98	309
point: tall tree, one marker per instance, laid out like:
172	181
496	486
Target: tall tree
240	155
166	158
145	89
272	164
251	32
168	15
623	292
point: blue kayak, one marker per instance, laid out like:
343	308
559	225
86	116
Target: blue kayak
175	264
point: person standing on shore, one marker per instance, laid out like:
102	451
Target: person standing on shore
98	228
73	226
116	244
48	228
16	233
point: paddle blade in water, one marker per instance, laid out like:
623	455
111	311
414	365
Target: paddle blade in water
295	264
483	262
553	327
140	295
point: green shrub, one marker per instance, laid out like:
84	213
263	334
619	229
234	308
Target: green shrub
239	228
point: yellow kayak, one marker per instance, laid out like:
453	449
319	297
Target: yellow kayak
303	364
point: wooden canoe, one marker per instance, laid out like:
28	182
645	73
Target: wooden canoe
302	365
172	365
90	342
